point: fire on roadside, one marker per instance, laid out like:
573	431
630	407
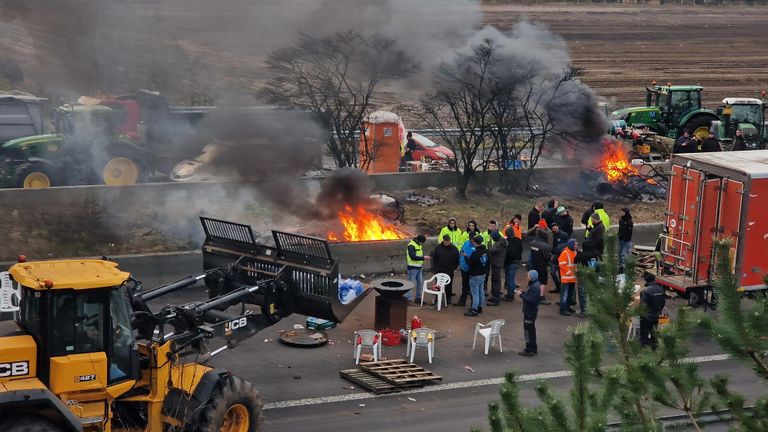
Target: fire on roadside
615	164
360	224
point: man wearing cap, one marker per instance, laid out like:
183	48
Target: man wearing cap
652	297
496	254
454	232
414	257
567	262
445	259
564	220
530	298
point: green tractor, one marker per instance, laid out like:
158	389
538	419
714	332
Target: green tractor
669	110
741	114
85	149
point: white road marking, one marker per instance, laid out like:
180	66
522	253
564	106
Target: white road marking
448	386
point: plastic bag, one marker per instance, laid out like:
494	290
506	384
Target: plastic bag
349	289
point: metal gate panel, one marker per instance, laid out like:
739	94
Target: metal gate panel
707	228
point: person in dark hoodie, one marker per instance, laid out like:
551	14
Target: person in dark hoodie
497	255
513	258
587	214
541	256
625	235
445	259
549	213
478	264
466	249
559	242
530	298
534	215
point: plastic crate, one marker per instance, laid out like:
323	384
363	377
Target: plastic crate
313	323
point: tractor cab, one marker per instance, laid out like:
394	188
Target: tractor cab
742	114
79	316
674	102
84	123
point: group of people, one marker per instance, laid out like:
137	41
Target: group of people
688	143
486	255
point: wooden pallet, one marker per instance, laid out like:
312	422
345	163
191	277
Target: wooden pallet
373	383
399	371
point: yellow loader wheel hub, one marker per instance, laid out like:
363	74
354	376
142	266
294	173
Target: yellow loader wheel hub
120	171
236	419
37	180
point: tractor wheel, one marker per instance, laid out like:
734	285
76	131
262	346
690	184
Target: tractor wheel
29	424
236	407
122	171
34	176
698	127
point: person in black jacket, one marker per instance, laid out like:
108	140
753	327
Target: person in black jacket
587	214
549	213
534	215
445	259
564	220
478	267
653	299
559	241
512	261
625	235
530	298
541	254
710	144
738	142
597	235
497	255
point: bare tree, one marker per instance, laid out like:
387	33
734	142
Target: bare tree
460	106
336	77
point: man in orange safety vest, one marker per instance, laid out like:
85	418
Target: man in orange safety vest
567	261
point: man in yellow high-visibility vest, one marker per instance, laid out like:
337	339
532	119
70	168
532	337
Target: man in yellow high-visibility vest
414	258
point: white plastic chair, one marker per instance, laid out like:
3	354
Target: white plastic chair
490	332
367	339
441	280
422	337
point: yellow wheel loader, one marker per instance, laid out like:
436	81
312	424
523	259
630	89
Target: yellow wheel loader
87	353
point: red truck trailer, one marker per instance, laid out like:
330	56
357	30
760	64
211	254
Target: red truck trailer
723	195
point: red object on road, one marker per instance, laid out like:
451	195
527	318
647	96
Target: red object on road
416	323
716	195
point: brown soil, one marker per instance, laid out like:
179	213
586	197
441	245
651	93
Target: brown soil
502	207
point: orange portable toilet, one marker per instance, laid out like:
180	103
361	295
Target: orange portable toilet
382	143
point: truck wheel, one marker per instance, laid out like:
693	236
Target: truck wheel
34	176
29	424
236	407
121	171
698	127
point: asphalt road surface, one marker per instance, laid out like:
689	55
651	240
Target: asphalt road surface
303	392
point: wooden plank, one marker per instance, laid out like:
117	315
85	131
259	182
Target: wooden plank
399	371
374	384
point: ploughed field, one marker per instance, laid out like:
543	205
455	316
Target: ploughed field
623	48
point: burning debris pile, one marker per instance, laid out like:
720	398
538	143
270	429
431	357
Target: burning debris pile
614	175
360	224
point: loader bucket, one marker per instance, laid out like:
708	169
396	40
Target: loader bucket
303	264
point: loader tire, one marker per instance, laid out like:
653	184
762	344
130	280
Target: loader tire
29	424
698	127
235	407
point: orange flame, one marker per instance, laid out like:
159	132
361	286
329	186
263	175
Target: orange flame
361	225
615	163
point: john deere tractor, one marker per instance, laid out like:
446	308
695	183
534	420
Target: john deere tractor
669	110
87	353
741	114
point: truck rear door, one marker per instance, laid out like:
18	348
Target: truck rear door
682	213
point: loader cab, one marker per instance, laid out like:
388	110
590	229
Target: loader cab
78	315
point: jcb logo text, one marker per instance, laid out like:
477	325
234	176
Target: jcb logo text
14	369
